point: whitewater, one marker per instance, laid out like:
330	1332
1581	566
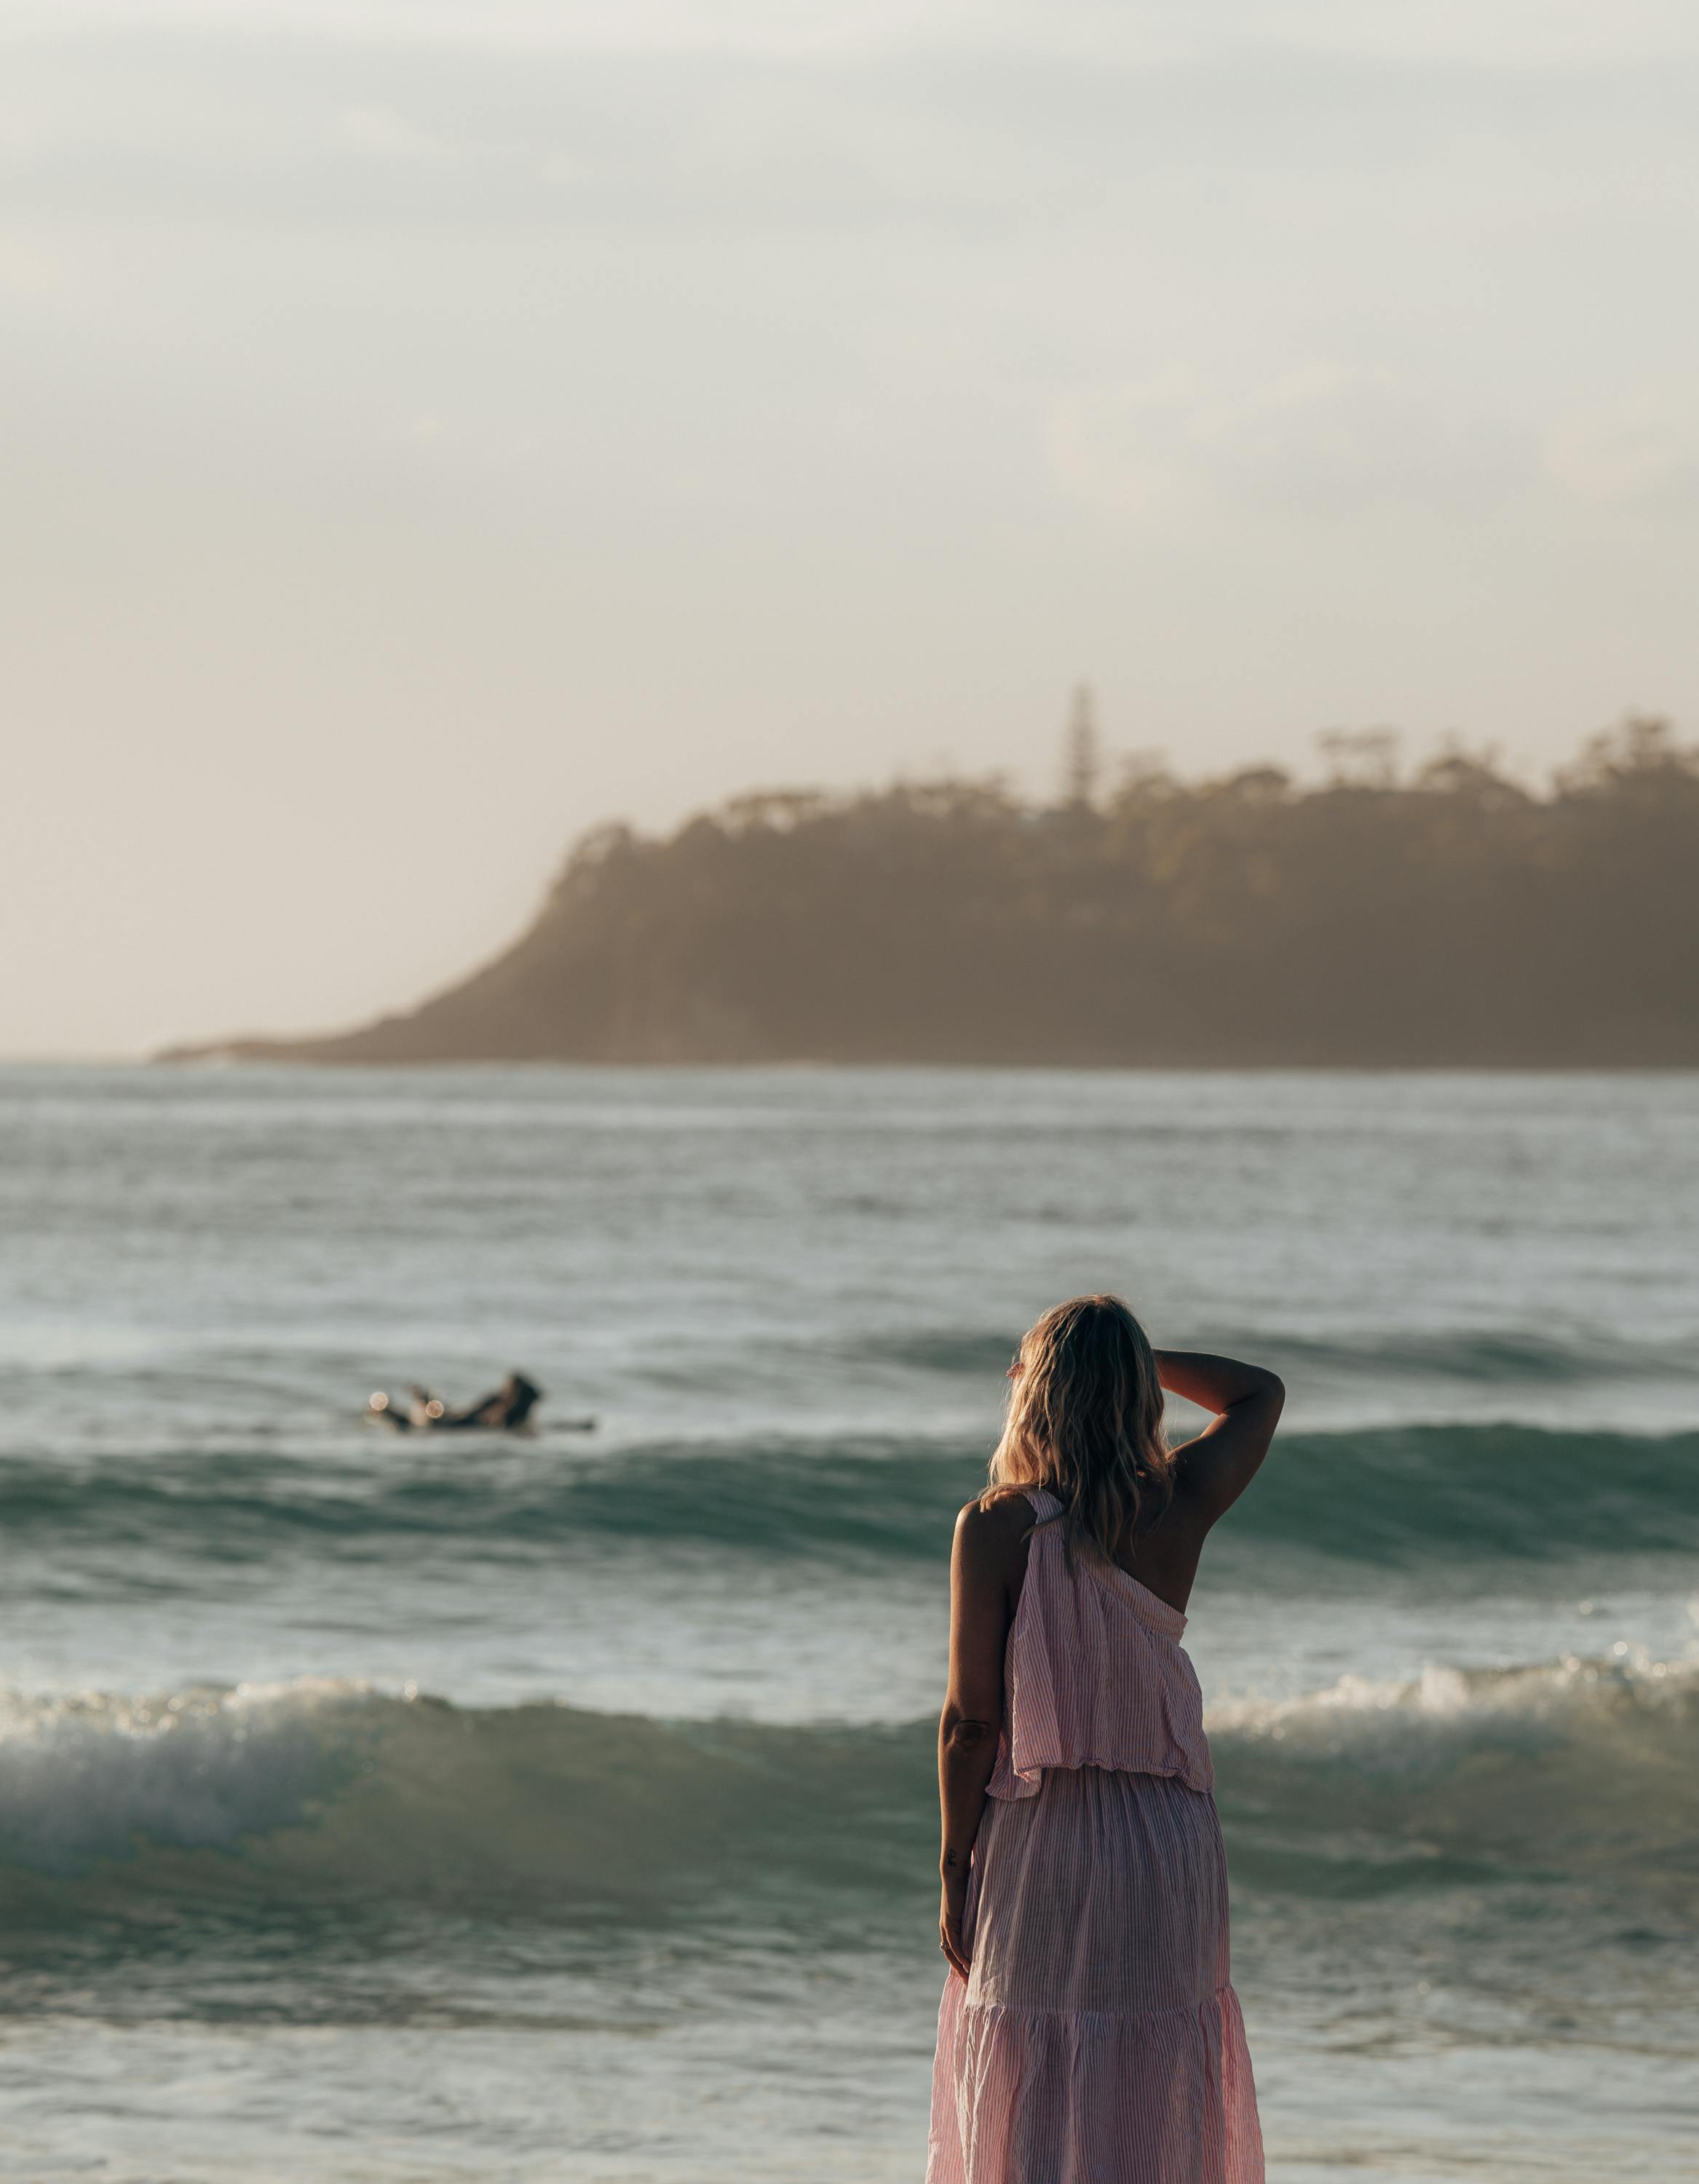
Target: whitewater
379	1806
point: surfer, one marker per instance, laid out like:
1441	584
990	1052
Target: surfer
505	1409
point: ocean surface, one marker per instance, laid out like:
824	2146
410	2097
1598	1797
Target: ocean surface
379	1808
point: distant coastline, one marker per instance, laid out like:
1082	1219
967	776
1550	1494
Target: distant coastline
1452	919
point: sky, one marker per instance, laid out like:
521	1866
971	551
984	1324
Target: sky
429	428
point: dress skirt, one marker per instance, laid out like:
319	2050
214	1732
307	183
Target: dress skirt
1097	2040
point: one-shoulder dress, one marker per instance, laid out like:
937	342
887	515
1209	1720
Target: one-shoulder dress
1098	2039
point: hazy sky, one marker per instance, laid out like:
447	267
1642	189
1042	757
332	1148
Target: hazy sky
430	426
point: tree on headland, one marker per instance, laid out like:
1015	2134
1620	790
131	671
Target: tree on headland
1453	918
1366	758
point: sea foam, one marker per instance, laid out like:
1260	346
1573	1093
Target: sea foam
320	1791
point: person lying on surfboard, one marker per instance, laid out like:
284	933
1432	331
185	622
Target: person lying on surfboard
505	1409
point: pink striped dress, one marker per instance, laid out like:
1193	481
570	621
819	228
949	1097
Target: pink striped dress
1097	2040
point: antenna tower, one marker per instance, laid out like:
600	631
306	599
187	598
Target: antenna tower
1082	751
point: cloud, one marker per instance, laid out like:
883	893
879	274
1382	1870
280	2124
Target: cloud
1641	452
1320	442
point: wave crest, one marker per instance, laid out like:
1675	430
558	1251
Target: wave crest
317	1793
1393	1496
1589	1767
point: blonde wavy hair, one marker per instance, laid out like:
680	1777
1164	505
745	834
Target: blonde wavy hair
1085	1421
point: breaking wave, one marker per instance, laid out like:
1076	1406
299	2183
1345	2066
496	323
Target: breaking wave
327	1794
1396	1496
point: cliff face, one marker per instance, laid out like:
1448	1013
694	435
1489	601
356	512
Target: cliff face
1456	920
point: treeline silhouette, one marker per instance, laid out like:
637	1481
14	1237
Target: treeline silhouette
1448	919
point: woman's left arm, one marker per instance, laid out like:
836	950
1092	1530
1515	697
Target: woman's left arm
984	1576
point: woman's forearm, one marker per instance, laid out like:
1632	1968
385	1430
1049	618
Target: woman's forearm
966	1755
1214	1384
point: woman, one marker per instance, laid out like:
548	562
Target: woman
1088	2034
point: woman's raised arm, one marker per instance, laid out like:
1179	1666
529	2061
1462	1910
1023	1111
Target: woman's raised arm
1212	1471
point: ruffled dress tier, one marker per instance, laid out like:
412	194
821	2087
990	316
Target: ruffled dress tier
1097	2040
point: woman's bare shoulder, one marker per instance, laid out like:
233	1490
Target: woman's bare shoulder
991	1532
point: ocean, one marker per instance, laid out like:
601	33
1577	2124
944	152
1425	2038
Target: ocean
379	1808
